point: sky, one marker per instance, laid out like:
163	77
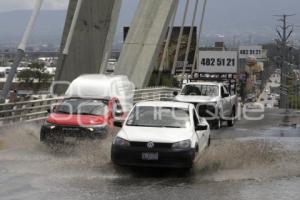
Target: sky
9	5
230	10
225	17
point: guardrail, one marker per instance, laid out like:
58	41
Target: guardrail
154	94
29	111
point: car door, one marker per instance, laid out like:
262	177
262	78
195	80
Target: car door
226	102
200	134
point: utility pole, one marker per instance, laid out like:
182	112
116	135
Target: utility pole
284	32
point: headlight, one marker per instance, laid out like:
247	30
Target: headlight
97	128
186	144
121	142
49	125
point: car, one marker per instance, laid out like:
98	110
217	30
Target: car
250	98
212	101
161	134
78	118
268	105
90	106
276	96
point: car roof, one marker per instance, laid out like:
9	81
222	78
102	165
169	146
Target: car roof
164	104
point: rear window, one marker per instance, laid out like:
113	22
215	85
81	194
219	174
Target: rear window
200	90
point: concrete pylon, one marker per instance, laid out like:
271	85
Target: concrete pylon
92	39
144	40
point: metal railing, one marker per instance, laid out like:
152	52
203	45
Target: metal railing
154	94
36	110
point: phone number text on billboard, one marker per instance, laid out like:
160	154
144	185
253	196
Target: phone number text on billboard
218	62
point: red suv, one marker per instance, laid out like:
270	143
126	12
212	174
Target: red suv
78	118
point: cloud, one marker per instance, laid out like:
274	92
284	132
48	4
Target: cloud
28	4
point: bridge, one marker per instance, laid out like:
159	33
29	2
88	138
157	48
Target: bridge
263	144
89	31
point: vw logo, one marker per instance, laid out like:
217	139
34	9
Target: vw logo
150	145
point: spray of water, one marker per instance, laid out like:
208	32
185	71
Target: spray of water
253	158
248	159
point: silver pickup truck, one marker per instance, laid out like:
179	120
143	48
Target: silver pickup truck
212	100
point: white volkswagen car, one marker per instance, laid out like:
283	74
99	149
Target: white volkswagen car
161	134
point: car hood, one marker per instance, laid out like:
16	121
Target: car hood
76	120
196	99
161	135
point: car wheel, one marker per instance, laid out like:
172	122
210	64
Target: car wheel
196	148
209	141
230	122
218	123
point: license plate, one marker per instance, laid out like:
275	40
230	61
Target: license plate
70	139
149	156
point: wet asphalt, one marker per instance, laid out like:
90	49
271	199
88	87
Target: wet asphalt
252	160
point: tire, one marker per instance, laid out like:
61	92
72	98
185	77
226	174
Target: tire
230	122
209	141
196	148
218	123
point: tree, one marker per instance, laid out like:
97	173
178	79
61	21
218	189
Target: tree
36	72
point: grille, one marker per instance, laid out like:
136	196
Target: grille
70	131
156	145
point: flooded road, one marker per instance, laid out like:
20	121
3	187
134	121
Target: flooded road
253	160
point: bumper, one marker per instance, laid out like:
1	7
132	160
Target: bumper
130	156
62	134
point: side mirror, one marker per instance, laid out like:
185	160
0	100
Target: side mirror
202	127
52	109
225	95
118	113
175	93
118	123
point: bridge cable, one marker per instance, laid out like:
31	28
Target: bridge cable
190	40
69	39
180	38
21	50
199	35
167	44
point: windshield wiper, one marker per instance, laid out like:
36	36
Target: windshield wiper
63	112
171	126
143	125
136	125
86	114
158	126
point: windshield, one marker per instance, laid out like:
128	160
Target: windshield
167	117
82	107
200	90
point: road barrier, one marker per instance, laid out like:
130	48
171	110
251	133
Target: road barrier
29	111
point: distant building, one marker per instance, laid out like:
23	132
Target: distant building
219	46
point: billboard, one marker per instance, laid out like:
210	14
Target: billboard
217	62
253	50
